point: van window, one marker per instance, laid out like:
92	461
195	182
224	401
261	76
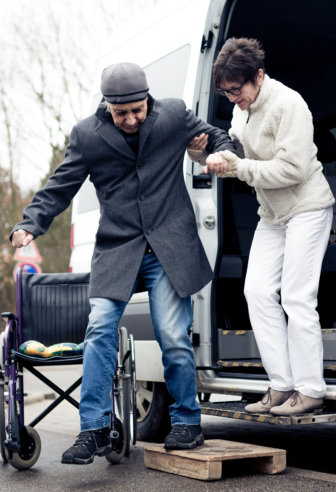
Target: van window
174	67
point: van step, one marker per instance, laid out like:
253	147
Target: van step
235	410
240	363
329	365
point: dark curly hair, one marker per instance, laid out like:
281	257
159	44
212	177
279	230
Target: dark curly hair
238	61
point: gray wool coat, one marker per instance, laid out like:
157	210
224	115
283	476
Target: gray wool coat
142	197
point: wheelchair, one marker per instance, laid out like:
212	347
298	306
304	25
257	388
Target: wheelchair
53	308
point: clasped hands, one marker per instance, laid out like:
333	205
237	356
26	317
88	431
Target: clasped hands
222	163
216	163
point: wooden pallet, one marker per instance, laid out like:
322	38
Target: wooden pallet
205	462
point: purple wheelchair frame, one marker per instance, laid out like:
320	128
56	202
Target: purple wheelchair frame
12	375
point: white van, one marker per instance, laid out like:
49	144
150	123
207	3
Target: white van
177	52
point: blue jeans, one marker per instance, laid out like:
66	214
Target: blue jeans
172	319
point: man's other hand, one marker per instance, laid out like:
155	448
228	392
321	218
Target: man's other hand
21	238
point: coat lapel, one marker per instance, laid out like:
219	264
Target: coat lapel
146	128
115	139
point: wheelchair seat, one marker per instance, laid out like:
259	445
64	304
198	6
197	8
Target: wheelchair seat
56	360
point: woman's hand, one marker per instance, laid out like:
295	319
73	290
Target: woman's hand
198	143
196	148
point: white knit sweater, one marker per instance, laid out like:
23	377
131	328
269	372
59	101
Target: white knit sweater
276	136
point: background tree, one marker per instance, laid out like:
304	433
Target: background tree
50	53
9	194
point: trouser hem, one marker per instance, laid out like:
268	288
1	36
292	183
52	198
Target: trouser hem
185	421
282	390
95	424
312	394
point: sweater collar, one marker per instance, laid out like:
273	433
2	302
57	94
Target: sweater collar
264	94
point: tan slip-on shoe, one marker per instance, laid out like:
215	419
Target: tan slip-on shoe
270	399
299	403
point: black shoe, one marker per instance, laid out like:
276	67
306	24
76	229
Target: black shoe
184	437
87	445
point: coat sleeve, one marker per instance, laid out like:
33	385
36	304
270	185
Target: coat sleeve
57	194
217	139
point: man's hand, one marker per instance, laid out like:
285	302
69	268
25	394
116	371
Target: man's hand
215	163
21	238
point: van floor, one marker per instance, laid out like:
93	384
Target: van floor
235	410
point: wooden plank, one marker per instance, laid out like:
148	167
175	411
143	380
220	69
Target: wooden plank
182	465
270	465
205	462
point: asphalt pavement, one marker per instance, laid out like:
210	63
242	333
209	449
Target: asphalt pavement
58	430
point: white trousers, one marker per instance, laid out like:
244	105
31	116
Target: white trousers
285	261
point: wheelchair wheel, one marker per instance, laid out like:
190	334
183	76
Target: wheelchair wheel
3	422
119	445
30	449
132	391
122	385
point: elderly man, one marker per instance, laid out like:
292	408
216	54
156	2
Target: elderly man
132	149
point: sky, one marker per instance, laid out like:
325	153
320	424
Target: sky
38	39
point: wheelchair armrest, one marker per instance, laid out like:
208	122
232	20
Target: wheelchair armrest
8	315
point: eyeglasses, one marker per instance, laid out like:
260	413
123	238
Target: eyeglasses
235	91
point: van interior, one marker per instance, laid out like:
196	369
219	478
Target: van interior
299	38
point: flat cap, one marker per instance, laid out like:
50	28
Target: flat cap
123	83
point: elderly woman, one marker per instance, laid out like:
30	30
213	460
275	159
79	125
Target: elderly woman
273	130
